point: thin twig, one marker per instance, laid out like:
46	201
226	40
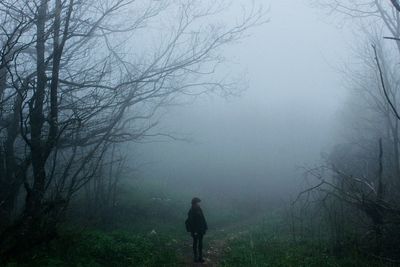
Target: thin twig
396	4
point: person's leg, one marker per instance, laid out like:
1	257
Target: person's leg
195	241
200	237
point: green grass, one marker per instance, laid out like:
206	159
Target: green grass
257	240
257	248
95	248
125	240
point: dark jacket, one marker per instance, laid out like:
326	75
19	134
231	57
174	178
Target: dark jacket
196	220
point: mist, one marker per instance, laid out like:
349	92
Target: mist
199	133
260	141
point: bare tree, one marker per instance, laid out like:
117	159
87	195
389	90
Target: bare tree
77	76
358	177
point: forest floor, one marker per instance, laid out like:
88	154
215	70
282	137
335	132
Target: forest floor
246	244
234	245
150	233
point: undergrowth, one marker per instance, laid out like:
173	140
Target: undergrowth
96	249
258	248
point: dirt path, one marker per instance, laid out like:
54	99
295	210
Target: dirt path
213	252
215	244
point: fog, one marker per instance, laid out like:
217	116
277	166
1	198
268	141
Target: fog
131	130
258	142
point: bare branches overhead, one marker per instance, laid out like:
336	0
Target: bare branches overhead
77	76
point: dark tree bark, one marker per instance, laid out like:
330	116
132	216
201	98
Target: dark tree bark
396	4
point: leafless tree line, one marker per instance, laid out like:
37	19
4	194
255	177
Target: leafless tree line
78	77
356	193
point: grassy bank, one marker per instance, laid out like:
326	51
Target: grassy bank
263	246
146	228
97	248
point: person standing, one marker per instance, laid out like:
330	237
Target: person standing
197	226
